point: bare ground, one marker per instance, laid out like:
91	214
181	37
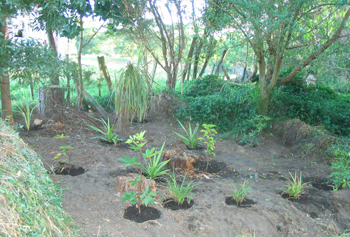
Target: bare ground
91	198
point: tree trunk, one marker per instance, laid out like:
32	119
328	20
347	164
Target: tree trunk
55	80
245	64
5	83
80	89
225	72
68	80
224	53
196	60
189	59
104	72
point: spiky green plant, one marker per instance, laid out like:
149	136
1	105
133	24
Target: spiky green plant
191	141
295	188
131	93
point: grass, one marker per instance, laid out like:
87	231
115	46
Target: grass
31	204
296	187
240	194
180	193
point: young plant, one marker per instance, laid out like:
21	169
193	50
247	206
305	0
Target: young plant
239	194
27	111
191	141
209	131
155	168
136	142
62	136
341	177
295	188
109	136
65	152
179	194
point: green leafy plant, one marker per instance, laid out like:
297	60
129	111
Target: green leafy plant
26	112
109	135
180	193
155	168
136	142
191	141
296	187
240	194
341	177
65	152
209	130
258	123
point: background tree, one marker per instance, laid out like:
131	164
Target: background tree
274	29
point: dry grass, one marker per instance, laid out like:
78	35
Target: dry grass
30	203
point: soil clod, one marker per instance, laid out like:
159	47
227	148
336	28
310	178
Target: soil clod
171	204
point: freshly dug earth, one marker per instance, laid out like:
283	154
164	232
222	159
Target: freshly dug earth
92	200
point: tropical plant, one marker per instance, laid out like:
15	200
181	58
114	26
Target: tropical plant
136	142
26	112
240	194
109	136
65	152
191	141
155	168
179	194
341	177
296	187
209	130
131	95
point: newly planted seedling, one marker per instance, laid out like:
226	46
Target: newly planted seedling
108	134
240	194
65	152
191	141
296	187
155	167
62	136
136	142
27	111
209	130
179	194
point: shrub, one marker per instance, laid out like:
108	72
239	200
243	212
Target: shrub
341	177
203	86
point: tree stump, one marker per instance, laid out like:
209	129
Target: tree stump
50	102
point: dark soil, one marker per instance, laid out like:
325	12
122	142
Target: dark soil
92	201
147	213
68	169
246	202
171	204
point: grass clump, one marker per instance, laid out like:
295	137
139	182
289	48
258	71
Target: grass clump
108	134
296	187
190	140
240	194
30	203
180	193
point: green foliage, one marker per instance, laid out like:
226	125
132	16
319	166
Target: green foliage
108	134
226	108
62	136
209	130
341	165
319	105
239	194
257	125
146	197
203	86
191	141
131	93
180	193
26	112
155	168
137	141
65	152
295	188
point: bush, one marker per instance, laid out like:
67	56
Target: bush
315	106
224	108
203	86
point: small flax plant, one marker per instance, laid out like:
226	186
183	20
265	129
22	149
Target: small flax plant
108	134
155	167
179	194
296	187
26	112
240	194
191	141
209	130
136	142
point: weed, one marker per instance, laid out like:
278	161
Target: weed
191	141
295	188
239	194
26	112
179	194
109	136
62	136
341	177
